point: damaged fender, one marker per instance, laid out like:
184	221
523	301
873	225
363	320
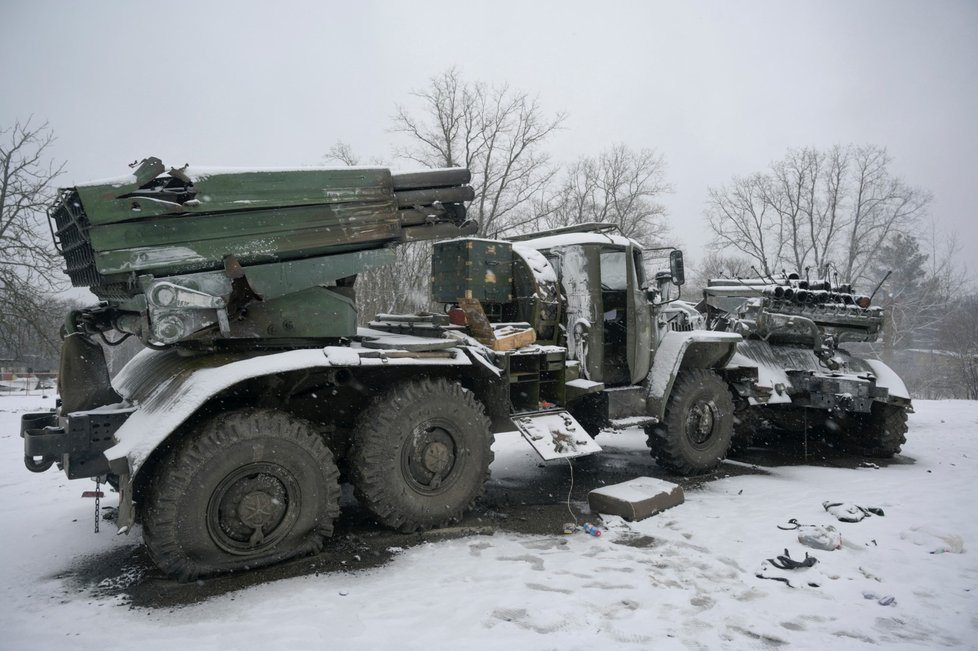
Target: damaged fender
677	350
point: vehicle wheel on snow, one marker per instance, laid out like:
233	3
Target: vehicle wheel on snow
696	432
421	454
880	433
246	489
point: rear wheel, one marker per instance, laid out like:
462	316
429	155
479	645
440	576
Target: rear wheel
421	454
695	434
247	489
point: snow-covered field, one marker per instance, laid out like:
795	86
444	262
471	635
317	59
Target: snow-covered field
684	579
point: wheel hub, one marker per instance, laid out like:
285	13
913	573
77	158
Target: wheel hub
429	458
253	508
700	422
257	509
437	457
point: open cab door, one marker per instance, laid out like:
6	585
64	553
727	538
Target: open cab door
639	318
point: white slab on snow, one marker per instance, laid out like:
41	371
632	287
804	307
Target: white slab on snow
636	499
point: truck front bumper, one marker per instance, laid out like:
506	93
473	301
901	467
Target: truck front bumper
75	442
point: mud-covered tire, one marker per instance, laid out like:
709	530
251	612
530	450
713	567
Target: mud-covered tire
880	434
421	454
695	434
236	474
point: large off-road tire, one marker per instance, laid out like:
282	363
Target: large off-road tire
421	454
880	433
245	489
695	434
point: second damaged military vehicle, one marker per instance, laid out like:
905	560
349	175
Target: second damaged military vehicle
227	436
792	371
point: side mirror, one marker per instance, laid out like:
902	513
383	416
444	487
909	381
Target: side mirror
676	267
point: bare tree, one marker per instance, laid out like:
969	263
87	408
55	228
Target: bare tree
342	153
880	206
29	269
620	186
496	132
742	219
817	210
717	265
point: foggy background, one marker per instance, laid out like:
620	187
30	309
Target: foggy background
719	89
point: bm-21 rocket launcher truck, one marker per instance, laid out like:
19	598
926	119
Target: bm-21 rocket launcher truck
256	392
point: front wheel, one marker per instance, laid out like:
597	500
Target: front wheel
880	433
421	454
695	434
246	489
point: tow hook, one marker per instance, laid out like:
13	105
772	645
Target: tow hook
38	466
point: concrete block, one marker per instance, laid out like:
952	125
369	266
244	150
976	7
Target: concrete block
636	499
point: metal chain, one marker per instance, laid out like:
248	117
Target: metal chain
98	503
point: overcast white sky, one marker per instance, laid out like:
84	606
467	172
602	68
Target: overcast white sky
719	88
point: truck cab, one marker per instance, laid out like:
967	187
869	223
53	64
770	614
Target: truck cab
608	314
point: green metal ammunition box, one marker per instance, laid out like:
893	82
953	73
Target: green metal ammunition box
472	268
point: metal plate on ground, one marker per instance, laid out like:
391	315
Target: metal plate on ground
556	435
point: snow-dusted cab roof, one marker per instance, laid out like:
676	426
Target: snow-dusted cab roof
567	239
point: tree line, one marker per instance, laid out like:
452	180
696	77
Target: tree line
839	213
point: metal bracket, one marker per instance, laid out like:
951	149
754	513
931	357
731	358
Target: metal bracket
174	310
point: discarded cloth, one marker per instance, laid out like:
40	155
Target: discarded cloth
848	512
817	536
785	562
803	577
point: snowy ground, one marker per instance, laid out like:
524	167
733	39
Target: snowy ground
684	579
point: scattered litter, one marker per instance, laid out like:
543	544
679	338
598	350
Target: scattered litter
848	512
587	527
887	600
760	575
869	575
785	562
819	537
765	572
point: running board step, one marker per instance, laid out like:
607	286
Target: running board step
632	421
555	434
